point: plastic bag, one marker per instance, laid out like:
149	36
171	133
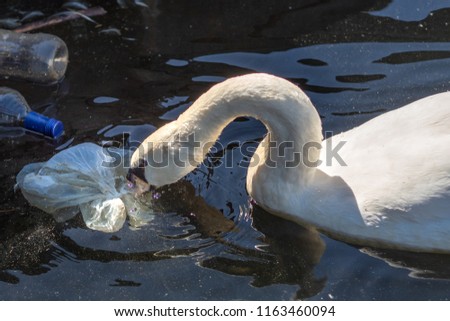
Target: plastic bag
86	178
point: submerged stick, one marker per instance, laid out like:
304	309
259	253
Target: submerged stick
53	20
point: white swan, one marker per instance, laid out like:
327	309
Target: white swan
393	190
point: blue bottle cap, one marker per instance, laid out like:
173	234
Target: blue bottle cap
44	125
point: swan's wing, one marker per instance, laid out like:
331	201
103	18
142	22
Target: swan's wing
398	162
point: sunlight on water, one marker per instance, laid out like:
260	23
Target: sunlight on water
406	10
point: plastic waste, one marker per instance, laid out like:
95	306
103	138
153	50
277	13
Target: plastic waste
16	114
35	57
84	178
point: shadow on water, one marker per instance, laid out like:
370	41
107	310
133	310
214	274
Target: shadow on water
355	59
288	255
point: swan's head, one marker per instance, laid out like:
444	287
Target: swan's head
164	157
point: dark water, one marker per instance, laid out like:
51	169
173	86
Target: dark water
139	67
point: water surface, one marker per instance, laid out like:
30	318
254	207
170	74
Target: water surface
138	68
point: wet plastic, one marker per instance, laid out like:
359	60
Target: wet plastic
15	113
38	57
84	178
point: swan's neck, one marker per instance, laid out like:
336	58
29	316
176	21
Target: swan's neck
288	152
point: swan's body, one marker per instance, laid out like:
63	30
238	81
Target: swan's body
391	190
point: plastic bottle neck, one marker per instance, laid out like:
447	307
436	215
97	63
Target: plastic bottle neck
42	124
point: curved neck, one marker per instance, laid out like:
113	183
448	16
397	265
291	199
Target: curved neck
292	122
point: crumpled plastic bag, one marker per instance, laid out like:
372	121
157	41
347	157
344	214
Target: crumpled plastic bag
84	178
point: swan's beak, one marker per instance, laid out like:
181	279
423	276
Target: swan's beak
136	175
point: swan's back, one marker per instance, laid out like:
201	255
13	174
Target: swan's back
401	157
398	168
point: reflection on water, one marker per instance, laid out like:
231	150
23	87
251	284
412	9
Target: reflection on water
340	70
403	10
288	255
147	64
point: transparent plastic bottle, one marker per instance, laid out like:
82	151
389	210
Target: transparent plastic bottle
15	114
35	57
